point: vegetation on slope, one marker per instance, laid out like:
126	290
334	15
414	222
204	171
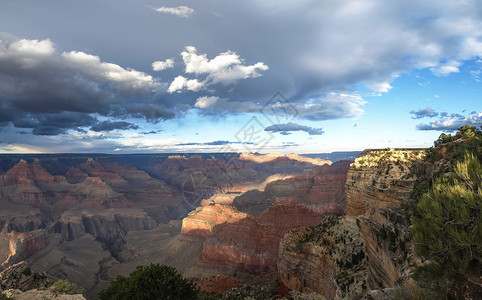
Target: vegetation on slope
447	224
154	282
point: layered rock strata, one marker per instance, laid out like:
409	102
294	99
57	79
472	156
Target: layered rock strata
252	244
327	259
202	221
378	189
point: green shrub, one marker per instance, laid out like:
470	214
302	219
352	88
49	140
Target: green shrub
447	228
27	271
152	282
66	287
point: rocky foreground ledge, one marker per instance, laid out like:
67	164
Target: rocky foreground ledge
20	283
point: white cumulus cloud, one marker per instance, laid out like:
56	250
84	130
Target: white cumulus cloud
122	78
205	101
162	65
226	68
180	82
450	66
180	11
33	47
380	87
453	122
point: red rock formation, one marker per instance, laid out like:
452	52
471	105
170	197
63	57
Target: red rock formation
25	183
325	191
99	201
30	174
321	190
75	175
252	244
202	221
278	157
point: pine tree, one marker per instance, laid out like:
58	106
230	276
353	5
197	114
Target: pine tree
151	282
447	228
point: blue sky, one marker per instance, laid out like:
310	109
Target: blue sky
214	76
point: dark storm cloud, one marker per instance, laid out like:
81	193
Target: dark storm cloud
109	126
54	123
51	92
424	113
151	132
217	143
287	128
151	112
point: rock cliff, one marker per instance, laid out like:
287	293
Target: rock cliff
370	248
108	226
328	259
321	189
378	189
252	244
202	221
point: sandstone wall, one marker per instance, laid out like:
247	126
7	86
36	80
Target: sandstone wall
252	244
378	188
203	220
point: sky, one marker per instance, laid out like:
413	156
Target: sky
305	76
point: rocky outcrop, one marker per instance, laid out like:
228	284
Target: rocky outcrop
203	220
378	191
21	221
252	243
20	282
109	226
327	259
21	277
40	294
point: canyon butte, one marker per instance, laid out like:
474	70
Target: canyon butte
243	225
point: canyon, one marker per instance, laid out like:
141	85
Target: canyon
258	225
89	218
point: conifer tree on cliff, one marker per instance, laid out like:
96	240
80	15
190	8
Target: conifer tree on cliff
447	223
151	282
